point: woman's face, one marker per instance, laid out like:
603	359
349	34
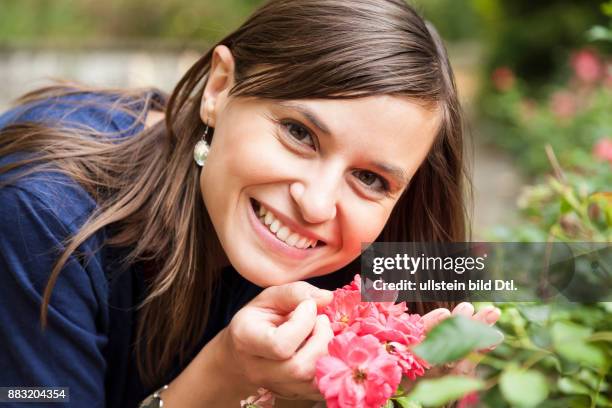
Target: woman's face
282	177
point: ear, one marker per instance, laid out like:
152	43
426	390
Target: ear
220	81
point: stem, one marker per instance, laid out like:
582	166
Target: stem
601	336
494	362
552	158
491	382
602	374
535	358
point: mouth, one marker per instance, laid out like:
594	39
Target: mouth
283	233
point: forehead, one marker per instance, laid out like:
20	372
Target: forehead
381	114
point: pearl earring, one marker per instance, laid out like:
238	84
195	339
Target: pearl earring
200	151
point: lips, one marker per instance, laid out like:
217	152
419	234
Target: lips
281	231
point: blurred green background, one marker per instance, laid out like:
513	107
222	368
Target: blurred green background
535	78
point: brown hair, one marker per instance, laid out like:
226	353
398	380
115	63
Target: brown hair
288	49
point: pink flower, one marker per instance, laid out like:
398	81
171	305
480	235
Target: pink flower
412	366
563	104
603	149
405	329
358	372
527	109
469	400
391	309
263	399
587	66
345	309
608	75
354	285
379	296
371	294
503	79
397	333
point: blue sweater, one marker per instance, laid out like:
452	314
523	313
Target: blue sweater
87	345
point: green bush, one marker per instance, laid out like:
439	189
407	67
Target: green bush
572	117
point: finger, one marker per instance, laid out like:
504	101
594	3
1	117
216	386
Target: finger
287	337
301	391
431	319
302	364
264	339
463	309
296	375
488	315
322	334
285	298
465	367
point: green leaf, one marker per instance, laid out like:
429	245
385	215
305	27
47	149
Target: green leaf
524	388
388	404
601	336
563	331
570	340
405	403
569	386
538	314
565	207
607	306
455	338
599	33
540	336
576	401
439	391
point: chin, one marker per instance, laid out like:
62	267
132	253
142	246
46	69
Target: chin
263	276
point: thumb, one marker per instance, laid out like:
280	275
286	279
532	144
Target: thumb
285	298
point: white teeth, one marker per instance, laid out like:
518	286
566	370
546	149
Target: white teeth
283	233
269	218
302	243
293	238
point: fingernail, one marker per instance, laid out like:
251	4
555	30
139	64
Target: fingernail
492	315
461	307
441	315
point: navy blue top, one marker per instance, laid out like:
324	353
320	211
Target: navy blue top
87	345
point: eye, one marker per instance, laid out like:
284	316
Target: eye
298	132
372	180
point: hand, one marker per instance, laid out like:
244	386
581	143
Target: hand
276	339
487	315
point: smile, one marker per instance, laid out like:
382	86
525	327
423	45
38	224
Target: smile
282	232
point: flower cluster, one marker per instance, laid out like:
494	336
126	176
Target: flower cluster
263	399
370	351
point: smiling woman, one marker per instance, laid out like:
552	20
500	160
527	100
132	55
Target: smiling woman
324	192
329	124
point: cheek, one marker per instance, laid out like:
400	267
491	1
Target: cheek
250	154
364	225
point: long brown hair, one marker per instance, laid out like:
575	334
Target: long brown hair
147	186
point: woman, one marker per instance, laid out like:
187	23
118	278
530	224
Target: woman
329	123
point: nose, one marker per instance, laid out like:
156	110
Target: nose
317	198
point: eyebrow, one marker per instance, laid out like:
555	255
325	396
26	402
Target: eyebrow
396	172
309	114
